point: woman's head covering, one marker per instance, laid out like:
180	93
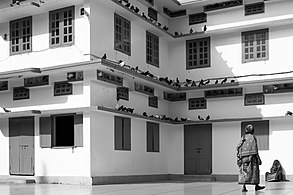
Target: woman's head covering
249	129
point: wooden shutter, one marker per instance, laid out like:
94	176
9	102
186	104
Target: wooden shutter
78	130
156	134
118	132
45	132
126	134
149	137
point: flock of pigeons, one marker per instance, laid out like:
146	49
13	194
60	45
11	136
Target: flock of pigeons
136	10
173	82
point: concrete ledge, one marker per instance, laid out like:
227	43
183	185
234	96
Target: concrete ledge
99	180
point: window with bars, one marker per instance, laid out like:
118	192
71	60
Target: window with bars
254	99
122	93
21	36
62	88
153	137
255	8
20	93
152	13
172	97
3	85
122	38
197	18
61	27
152	49
255	45
198	53
36	81
122	133
153	101
197	103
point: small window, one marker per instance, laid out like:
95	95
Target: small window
153	137
152	49
261	132
255	45
255	8
197	103
172	97
122	133
152	13
75	76
218	93
197	18
62	88
122	93
122	34
61	27
153	101
254	99
20	93
36	81
21	36
106	77
198	53
64	130
223	5
144	89
3	85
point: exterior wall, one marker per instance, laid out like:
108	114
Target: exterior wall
109	162
40	45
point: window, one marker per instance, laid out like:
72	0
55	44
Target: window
255	45
152	50
122	34
144	89
261	132
36	81
254	99
64	130
20	36
198	53
153	137
197	18
106	77
20	93
197	103
62	88
255	8
62	27
152	13
218	93
3	85
122	133
172	97
153	101
122	93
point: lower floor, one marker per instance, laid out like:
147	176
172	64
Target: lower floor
167	187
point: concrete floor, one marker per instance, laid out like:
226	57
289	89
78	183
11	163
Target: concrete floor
172	188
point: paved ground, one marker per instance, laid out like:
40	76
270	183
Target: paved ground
162	188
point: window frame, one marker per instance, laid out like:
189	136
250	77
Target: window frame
198	59
152	137
20	35
70	92
152	49
25	92
195	107
122	133
124	36
253	37
248	9
61	27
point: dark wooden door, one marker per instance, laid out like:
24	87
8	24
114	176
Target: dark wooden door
21	146
198	149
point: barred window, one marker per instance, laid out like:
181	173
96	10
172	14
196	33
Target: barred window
152	50
255	45
197	103
122	93
21	36
198	53
62	27
255	8
197	18
122	35
62	88
20	93
153	101
254	99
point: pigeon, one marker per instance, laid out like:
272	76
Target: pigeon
208	118
159	24
100	74
205	28
216	82
104	56
144	114
144	16
188	81
121	63
201	83
191	31
165	28
193	83
136	10
176	33
200	118
207	82
224	81
127	5
232	81
132	7
6	110
289	113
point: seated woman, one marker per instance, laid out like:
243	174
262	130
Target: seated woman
276	173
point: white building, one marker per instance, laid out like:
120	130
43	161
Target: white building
64	123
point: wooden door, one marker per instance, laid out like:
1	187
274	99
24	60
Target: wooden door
198	149
21	146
